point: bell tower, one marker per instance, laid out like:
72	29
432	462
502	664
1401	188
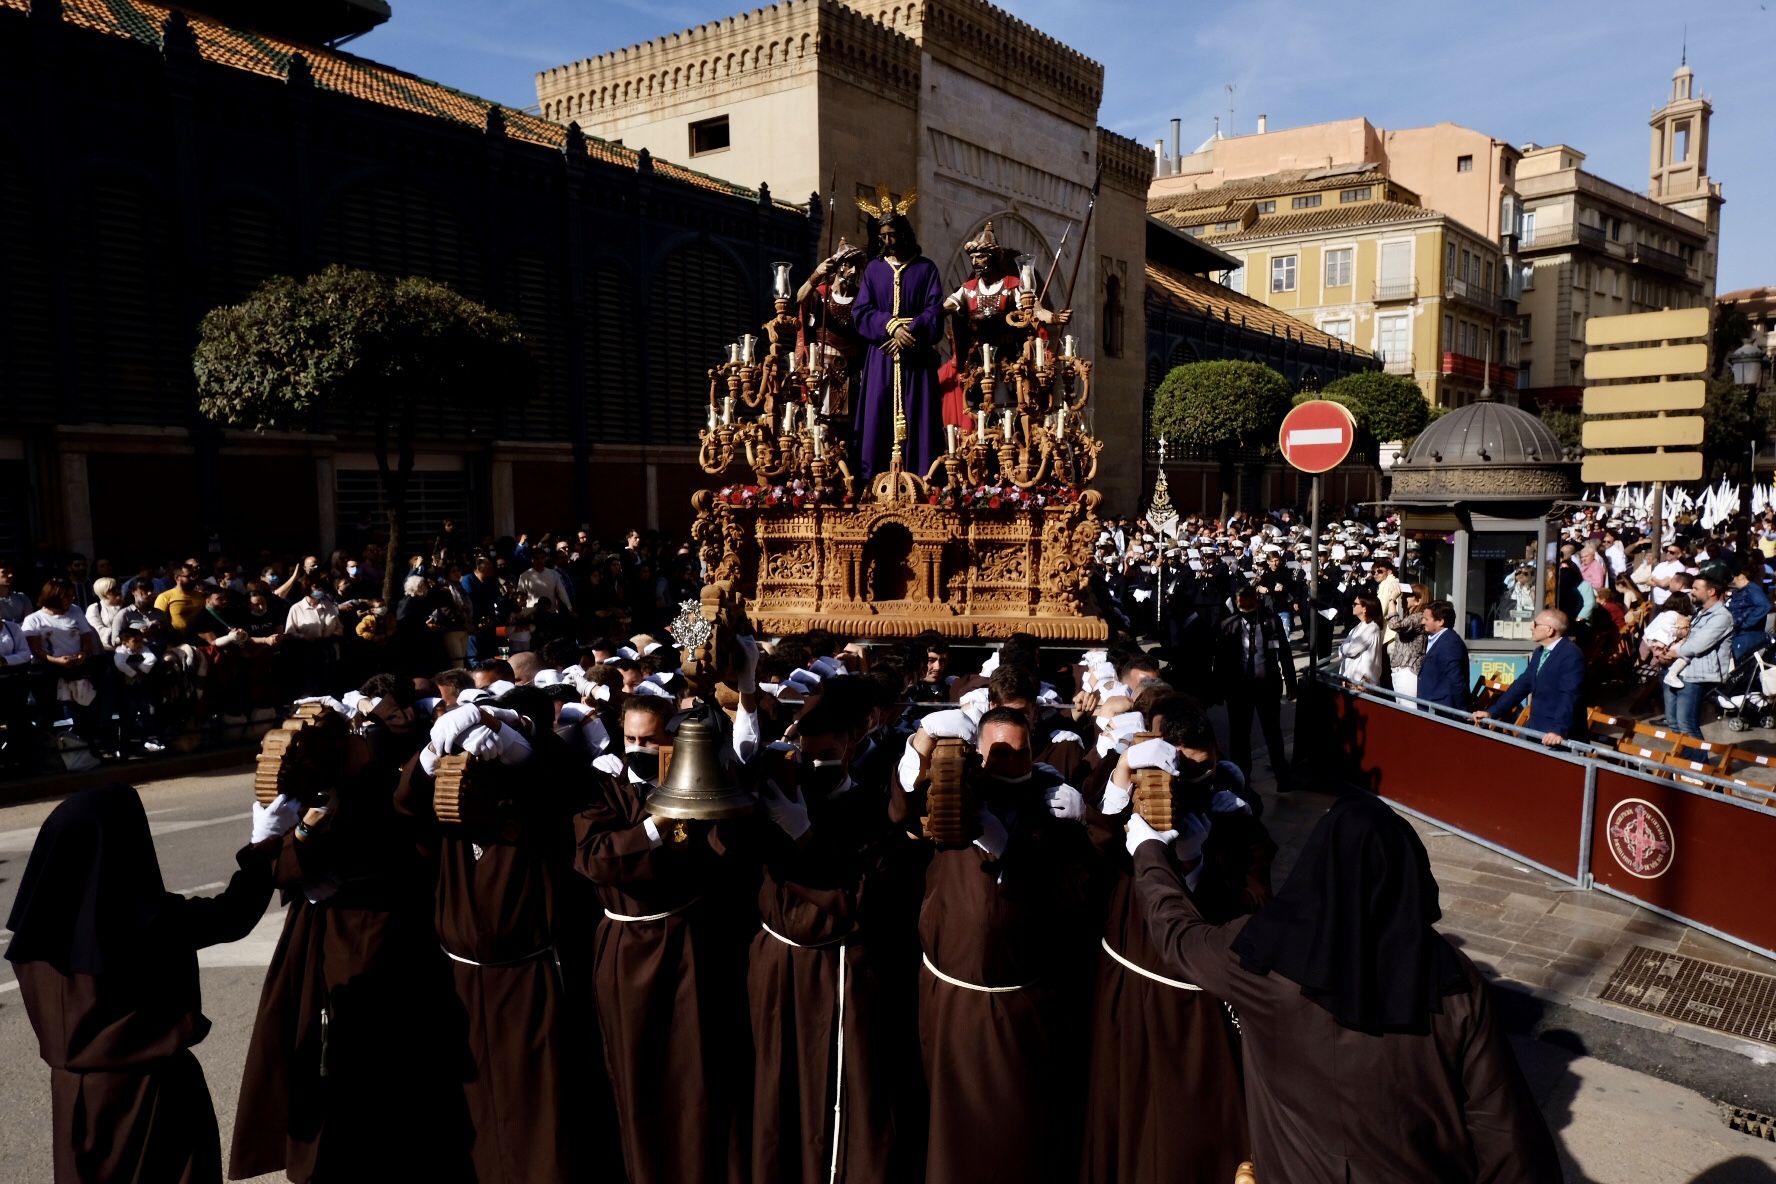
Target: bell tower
1677	175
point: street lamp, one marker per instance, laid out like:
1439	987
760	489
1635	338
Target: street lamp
1748	371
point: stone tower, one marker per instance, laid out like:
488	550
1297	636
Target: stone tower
1678	172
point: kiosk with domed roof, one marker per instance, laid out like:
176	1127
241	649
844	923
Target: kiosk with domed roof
1476	492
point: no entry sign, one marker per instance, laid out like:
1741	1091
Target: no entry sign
1317	435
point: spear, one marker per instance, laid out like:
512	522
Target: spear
1090	209
819	343
1049	278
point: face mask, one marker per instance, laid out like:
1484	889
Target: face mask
352	570
316	594
643	761
823	778
1006	779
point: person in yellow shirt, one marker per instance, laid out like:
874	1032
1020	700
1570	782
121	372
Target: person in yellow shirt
184	601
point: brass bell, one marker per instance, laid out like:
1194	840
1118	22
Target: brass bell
697	785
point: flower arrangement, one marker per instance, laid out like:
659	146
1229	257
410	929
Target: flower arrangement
796	494
1004	496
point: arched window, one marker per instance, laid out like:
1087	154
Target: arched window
1112	318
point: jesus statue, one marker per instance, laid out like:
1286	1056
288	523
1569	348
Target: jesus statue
899	313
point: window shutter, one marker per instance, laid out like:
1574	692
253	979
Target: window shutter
698	305
612	369
133	351
27	328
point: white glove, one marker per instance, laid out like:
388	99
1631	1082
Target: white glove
1124	726
1116	799
951	724
746	676
828	667
1191	836
789	813
1065	802
275	819
994	838
1154	754
909	768
1140	832
976	702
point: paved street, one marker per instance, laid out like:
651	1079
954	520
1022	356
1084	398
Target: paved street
1616	1125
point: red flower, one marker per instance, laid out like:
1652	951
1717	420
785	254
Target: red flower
993	503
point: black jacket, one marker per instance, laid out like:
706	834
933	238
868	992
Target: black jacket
1230	663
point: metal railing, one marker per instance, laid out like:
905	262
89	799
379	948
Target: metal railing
1656	258
1396	290
1399	363
1472	293
1590	760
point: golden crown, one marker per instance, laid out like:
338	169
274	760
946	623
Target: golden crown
885	207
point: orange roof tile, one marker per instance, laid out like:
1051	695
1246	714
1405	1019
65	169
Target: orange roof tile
1202	295
358	77
1339	217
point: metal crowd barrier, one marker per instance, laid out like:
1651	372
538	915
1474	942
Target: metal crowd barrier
1688	845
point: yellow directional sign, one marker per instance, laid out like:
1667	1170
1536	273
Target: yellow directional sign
1658	432
1617	468
1691	358
1688	395
1666	345
1673	324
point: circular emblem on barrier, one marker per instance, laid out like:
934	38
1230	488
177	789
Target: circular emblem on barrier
1640	838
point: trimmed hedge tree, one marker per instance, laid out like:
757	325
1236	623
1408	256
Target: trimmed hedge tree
361	341
1387	406
1223	406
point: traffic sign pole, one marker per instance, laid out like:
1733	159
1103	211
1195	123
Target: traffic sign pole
1314	437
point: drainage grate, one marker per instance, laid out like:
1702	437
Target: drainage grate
1707	994
1750	1122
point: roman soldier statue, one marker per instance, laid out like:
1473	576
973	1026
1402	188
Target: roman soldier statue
828	342
981	309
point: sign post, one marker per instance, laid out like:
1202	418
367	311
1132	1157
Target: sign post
1316	436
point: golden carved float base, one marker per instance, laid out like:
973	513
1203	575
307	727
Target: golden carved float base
895	568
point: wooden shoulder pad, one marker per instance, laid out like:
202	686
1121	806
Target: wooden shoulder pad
1153	797
952	815
299	756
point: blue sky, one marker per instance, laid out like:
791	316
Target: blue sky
1558	71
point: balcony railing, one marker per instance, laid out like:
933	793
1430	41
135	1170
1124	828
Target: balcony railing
1659	260
1566	236
1388	290
1397	363
1464	366
1473	294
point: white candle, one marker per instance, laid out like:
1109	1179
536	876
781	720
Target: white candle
788	418
733	352
712	417
819	443
1041	352
780	280
747	342
954	434
810	417
1061	419
1068	345
1027	273
980	424
986	356
1008	423
727	410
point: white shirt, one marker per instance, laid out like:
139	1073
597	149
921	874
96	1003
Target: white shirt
1617	557
1664	571
14	651
1662	629
58	633
311	619
536	584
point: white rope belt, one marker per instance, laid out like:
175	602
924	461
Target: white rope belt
819	945
652	916
1144	972
956	982
549	949
838	943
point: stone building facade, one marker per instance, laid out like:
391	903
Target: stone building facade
201	158
985	116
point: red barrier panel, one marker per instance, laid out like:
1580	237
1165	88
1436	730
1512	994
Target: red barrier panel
1528	802
1695	854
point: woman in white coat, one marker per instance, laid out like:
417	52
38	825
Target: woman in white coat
1364	657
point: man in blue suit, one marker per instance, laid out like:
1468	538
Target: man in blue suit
1443	675
1552	683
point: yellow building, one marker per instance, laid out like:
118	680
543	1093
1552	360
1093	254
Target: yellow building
1356	255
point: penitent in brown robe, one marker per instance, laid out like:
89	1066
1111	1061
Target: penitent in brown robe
1002	1066
355	1027
670	984
849	892
1329	1104
127	1098
529	1070
1164	1096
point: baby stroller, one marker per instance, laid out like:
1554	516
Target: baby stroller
1747	696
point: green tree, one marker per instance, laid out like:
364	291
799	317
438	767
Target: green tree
1387	406
1227	407
347	340
1567	424
1732	329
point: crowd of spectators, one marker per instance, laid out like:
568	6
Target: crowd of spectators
98	663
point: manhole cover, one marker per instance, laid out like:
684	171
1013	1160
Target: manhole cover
1707	994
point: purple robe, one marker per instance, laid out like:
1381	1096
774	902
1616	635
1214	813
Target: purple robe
921	297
